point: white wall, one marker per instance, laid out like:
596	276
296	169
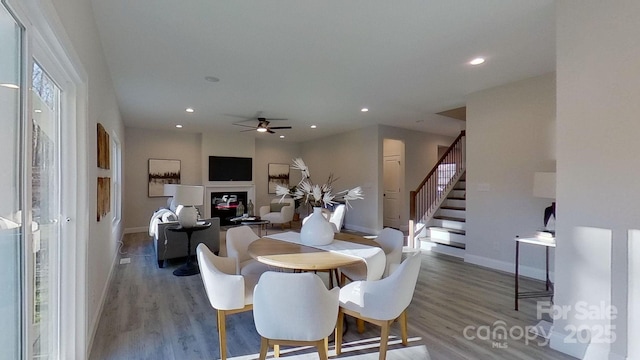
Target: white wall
597	189
510	136
145	144
77	19
355	158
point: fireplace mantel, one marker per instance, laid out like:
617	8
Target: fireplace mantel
222	187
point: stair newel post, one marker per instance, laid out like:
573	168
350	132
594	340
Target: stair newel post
412	219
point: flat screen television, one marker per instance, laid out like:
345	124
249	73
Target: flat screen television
227	168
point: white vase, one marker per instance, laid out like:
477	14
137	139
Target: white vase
317	230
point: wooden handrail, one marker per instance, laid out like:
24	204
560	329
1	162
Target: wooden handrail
428	196
444	156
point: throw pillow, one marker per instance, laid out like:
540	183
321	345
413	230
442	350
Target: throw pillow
276	207
167	217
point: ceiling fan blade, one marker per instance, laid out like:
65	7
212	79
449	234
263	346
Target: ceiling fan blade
270	131
280	127
248	130
270	119
243	125
240	116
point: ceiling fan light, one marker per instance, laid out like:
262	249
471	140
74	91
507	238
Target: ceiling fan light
261	129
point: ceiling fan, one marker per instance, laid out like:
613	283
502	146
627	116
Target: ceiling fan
263	124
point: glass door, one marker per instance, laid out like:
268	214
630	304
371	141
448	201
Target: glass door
45	211
11	218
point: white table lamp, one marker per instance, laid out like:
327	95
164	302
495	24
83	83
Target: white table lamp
189	197
170	190
544	186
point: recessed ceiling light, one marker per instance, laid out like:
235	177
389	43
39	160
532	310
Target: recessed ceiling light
281	136
477	61
211	78
37	111
189	110
313	126
179	126
10	86
364	109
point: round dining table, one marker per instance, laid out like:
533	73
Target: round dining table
293	256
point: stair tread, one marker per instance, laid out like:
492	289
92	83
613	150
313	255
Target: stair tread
455	231
450	218
456	198
447	207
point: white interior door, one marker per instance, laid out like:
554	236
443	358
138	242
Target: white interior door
392	191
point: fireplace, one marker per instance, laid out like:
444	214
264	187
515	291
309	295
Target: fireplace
224	204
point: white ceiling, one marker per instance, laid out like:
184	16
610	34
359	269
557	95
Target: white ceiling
317	62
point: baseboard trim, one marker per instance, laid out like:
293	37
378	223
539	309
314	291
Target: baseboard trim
103	299
509	267
136	230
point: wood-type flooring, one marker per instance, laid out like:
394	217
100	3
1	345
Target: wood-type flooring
151	314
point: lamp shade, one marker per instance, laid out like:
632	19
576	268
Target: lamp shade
544	185
170	189
189	195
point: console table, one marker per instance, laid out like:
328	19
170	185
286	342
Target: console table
189	268
537	241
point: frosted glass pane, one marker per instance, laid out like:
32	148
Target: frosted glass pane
10	216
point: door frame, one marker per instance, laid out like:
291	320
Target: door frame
44	35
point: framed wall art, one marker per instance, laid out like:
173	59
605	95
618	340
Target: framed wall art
162	171
103	148
278	175
104	197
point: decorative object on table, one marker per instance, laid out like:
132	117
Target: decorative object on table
162	172
239	209
316	230
104	197
278	175
103	148
317	196
544	186
189	197
250	208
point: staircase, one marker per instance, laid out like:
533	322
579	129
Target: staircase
445	232
437	207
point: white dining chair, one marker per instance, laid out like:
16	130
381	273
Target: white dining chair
380	302
391	241
228	292
238	240
294	309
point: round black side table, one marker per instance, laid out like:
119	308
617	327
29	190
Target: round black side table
189	268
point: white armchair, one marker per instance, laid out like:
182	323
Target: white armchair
337	216
380	302
391	241
294	309
279	212
227	292
238	240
